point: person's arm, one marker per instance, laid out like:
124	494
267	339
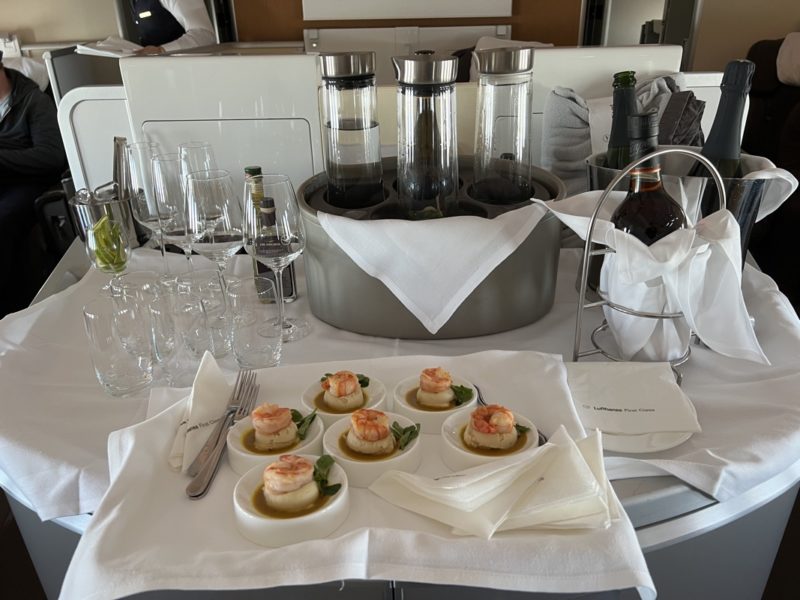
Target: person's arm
46	155
193	17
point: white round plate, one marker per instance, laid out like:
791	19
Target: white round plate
644	442
268	531
376	395
242	460
430	420
361	473
458	457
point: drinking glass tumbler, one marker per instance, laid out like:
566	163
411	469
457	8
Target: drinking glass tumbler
210	314
119	344
257	335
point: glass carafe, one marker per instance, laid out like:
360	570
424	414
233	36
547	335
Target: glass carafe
502	153
350	129
427	159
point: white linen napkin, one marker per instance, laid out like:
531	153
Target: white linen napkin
787	63
631	398
696	271
550	486
432	266
207	401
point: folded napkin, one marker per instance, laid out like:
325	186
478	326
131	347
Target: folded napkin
787	62
695	271
553	486
207	401
631	398
432	266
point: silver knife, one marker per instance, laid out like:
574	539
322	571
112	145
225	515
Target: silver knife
218	430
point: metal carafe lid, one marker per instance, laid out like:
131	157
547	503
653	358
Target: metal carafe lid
336	65
504	61
425	69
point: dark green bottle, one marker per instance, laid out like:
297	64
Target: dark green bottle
617	156
723	145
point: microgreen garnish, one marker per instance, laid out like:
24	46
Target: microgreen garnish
521	428
303	423
321	470
463	394
324	377
404	435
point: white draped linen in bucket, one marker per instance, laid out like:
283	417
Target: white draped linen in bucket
694	271
432	266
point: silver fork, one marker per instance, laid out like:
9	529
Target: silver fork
213	437
198	486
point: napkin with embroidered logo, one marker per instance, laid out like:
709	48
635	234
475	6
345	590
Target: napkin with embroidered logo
204	407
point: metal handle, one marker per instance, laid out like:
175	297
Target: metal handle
604	196
211	443
198	486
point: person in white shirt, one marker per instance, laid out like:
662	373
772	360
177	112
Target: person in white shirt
167	25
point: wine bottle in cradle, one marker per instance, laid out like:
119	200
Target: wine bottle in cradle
648	212
253	174
723	145
617	156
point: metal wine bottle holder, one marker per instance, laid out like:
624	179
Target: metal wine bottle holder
588	252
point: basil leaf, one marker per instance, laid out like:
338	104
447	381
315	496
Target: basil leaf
521	428
321	470
463	394
329	490
297	416
404	435
304	423
324	377
363	380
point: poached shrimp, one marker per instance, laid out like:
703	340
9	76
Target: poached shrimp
491	427
289	484
270	418
342	391
274	428
369	432
435	388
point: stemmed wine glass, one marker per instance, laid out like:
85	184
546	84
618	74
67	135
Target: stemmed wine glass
168	187
275	236
144	202
213	216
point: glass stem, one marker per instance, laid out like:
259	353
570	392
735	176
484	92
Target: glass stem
279	292
163	250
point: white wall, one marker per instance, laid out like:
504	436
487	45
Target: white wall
58	20
627	17
727	28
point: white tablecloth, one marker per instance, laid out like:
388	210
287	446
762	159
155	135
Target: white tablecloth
55	420
126	550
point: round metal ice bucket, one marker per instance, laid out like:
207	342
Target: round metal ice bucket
518	292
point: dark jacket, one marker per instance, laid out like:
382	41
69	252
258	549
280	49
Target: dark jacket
30	141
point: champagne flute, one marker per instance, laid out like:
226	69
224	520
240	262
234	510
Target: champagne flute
144	202
213	216
168	187
275	236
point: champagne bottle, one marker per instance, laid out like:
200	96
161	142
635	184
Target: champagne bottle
723	146
252	174
647	212
618	154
